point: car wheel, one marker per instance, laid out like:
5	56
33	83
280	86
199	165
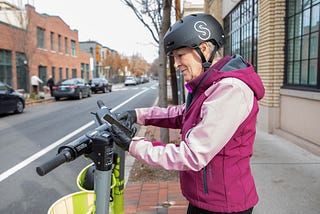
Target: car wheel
57	98
19	106
80	95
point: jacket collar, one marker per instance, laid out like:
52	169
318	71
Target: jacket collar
192	85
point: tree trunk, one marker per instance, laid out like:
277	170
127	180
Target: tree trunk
174	85
163	95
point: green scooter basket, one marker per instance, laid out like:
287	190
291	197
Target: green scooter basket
82	174
76	203
81	180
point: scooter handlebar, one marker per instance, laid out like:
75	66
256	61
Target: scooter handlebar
53	163
81	145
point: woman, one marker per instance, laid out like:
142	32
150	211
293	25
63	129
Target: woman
218	122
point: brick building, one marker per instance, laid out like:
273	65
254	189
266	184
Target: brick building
281	39
38	44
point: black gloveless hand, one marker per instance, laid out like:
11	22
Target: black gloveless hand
120	138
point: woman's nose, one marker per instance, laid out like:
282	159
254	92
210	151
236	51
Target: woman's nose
176	63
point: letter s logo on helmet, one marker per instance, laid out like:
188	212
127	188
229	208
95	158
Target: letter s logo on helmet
201	27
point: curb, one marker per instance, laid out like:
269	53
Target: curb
36	102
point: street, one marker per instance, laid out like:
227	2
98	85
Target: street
31	138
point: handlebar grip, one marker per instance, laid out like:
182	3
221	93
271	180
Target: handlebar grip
100	104
50	165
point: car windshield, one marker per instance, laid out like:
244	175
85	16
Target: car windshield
97	80
129	78
69	82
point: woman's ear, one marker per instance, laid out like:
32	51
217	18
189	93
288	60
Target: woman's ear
204	46
205	49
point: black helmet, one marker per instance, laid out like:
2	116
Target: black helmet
192	30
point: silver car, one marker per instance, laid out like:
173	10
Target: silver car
130	81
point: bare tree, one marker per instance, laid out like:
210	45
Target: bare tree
138	65
155	16
149	12
164	133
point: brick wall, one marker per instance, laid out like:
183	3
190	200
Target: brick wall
271	47
54	58
25	41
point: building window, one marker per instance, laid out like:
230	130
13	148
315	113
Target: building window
66	45
41	38
59	44
241	30
82	71
73	48
22	76
67	73
43	76
103	55
74	73
303	32
87	71
53	73
52	41
6	67
60	74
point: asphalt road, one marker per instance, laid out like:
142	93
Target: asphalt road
31	138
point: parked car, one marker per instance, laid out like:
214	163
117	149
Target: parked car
72	88
100	84
130	81
10	100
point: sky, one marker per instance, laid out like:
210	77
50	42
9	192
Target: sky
108	22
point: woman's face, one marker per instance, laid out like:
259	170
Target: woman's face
188	61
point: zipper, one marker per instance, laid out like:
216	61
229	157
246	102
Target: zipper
205	183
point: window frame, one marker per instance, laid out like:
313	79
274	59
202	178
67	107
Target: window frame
41	38
241	30
301	54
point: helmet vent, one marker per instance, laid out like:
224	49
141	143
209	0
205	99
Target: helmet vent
170	43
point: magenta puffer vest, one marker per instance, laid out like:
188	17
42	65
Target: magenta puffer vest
226	183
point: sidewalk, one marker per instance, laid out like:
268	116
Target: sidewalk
287	179
46	97
153	197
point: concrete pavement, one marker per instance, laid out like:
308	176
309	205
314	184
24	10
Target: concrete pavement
287	176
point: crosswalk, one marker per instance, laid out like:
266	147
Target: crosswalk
127	88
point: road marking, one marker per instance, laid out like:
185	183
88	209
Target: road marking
34	157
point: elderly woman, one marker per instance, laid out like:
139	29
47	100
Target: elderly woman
218	121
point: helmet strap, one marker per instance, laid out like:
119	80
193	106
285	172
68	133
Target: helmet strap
206	64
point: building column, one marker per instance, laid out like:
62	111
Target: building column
271	59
